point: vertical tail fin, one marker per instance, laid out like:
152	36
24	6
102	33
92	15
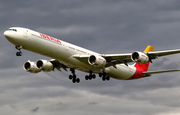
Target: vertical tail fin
148	49
145	66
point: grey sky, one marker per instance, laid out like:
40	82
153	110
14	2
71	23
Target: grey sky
104	26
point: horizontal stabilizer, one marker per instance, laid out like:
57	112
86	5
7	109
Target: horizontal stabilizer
156	72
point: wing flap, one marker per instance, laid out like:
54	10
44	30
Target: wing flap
82	58
113	59
58	65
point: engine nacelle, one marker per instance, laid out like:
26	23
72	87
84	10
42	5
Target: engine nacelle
139	57
44	65
97	61
31	67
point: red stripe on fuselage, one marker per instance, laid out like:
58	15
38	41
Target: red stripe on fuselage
140	68
50	38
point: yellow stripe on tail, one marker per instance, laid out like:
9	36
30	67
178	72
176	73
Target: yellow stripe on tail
148	49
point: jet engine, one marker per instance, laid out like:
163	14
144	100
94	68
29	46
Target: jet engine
31	67
97	61
139	57
44	65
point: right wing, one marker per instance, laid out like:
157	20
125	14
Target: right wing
113	59
154	55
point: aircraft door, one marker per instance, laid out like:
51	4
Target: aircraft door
25	33
65	46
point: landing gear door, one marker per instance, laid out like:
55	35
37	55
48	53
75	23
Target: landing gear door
25	33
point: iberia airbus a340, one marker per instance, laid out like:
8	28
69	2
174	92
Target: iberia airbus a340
65	55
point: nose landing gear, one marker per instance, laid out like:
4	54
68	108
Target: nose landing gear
19	53
18	48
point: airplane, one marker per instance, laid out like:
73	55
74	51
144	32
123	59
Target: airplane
68	56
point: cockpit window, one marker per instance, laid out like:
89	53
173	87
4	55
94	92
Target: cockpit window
13	30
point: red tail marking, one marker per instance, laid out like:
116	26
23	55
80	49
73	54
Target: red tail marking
140	68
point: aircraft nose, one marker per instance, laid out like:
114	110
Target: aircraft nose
10	36
7	34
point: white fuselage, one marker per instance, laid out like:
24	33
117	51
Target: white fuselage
64	52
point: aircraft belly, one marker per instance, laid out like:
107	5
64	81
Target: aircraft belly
76	64
121	72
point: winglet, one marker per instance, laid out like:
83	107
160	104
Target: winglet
148	49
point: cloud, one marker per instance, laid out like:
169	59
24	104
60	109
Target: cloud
116	26
35	109
92	103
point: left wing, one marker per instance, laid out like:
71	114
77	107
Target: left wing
111	59
58	65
